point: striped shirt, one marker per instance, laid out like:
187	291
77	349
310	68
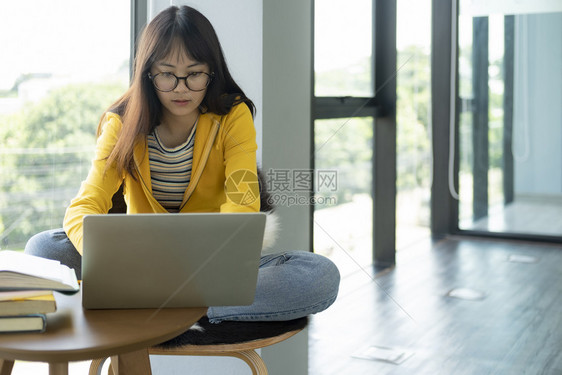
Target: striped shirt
170	170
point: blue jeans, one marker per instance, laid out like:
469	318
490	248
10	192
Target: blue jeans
290	285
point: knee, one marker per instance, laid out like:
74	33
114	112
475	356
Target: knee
328	273
323	273
36	244
44	244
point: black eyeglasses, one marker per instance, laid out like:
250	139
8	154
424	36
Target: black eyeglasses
196	81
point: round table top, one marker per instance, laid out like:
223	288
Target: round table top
75	334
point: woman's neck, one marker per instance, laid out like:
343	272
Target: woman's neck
174	132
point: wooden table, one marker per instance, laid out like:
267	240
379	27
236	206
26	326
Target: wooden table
75	334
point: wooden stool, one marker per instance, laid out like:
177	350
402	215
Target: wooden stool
228	339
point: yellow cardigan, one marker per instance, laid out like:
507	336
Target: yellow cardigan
223	145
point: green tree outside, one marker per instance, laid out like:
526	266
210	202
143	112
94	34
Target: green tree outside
45	152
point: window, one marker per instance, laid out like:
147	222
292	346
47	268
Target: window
343	131
343	217
63	63
365	58
343	64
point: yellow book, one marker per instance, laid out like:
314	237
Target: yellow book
27	302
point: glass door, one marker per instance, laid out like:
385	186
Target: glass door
510	118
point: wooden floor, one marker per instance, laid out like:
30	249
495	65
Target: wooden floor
516	329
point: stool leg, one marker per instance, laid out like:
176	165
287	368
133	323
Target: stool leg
58	368
131	363
6	367
253	360
96	366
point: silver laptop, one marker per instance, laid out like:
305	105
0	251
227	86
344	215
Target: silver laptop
171	260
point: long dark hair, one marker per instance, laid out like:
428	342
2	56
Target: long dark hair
139	107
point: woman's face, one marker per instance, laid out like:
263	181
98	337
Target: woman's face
181	104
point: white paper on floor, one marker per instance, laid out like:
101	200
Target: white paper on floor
518	258
385	354
467	293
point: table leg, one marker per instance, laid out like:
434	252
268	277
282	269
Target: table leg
6	366
132	363
58	368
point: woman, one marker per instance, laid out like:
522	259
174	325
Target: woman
173	140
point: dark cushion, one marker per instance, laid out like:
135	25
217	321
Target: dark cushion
231	332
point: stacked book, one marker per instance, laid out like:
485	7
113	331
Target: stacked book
27	284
